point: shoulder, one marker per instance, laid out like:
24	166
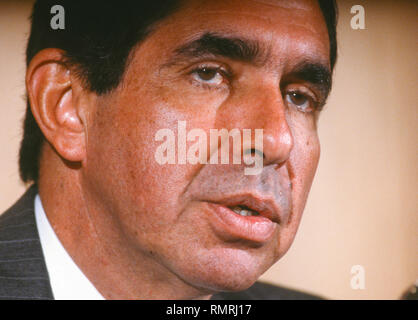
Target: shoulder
21	211
23	272
265	291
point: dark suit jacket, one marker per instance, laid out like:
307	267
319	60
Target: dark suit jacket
23	273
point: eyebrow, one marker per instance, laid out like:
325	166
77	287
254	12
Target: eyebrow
211	44
251	51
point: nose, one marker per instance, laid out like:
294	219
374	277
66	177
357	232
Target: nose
266	110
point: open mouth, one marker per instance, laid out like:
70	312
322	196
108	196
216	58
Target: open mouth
239	221
251	205
244	211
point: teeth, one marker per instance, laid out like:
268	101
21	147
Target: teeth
244	212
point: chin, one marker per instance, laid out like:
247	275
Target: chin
226	271
224	282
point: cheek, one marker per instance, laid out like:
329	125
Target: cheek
121	163
123	150
304	156
303	163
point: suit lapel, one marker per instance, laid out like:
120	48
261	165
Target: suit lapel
23	273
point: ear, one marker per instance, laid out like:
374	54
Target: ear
52	93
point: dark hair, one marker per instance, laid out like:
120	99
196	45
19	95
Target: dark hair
97	40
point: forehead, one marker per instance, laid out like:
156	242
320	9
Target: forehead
264	9
296	27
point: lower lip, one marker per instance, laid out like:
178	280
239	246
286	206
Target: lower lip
233	226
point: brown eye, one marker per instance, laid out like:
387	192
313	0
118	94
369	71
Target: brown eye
298	99
207	74
301	101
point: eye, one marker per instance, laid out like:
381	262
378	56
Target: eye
302	101
209	75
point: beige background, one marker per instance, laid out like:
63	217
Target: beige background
362	208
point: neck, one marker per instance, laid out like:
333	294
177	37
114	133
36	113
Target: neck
95	240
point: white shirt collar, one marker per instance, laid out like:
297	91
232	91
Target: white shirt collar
67	280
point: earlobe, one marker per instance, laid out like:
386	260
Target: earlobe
50	90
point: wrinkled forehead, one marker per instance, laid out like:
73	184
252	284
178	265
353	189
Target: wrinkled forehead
265	4
274	11
287	27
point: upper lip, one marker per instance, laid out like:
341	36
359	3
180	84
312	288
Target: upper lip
266	206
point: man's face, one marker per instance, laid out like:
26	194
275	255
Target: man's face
243	64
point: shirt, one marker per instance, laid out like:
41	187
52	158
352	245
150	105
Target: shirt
68	282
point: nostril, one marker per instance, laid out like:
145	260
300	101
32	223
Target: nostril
254	151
